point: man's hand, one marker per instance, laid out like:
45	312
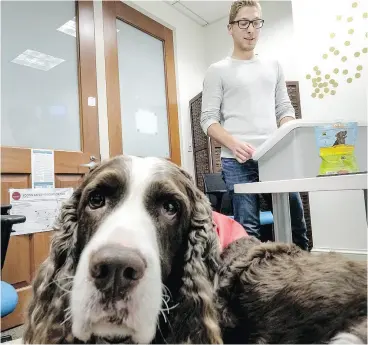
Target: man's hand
242	151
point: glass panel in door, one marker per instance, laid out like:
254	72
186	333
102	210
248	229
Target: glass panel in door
143	99
39	75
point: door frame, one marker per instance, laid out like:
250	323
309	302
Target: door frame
113	10
17	160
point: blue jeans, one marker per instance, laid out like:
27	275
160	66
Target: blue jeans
246	206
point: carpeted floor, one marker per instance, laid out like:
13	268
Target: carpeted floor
15	333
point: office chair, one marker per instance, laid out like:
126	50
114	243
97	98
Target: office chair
215	189
9	296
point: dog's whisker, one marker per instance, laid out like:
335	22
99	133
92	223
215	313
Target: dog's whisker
59	280
159	328
167	290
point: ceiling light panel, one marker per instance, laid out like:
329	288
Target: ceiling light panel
37	60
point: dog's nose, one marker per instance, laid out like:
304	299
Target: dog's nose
115	268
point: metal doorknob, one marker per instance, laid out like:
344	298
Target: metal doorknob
91	164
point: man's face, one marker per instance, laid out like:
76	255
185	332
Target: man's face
245	39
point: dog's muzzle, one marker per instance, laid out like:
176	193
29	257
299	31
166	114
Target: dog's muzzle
115	269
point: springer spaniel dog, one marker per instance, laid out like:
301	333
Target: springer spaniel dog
135	259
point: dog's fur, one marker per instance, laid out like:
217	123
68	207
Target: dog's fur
277	293
262	293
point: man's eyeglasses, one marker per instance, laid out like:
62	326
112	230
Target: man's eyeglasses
244	24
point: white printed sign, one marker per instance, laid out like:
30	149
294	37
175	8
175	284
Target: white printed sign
40	207
43	169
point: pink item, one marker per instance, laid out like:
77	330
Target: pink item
228	230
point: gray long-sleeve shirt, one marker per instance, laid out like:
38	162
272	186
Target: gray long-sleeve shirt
247	97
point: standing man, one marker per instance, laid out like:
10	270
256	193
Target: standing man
244	100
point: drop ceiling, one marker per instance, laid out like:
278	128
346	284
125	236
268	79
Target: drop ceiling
202	12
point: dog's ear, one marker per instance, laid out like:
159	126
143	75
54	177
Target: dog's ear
196	318
48	319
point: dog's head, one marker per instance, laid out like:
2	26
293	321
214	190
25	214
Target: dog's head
341	136
135	228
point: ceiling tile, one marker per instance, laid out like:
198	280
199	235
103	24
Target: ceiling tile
189	13
210	11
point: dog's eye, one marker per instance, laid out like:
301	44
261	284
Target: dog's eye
171	207
96	200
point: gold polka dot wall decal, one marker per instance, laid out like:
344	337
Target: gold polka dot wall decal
333	92
351	31
347	43
344	58
319	79
314	85
354	5
335	85
332	35
365	15
320	85
325	56
332	49
336	52
327	76
314	95
357	75
321	95
336	70
350	19
349	80
365	50
317	90
359	67
315	68
326	89
357	54
318	72
345	71
308	76
339	17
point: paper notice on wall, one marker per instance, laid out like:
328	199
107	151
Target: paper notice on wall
146	122
43	169
41	208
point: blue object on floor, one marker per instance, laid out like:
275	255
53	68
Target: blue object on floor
9	299
266	217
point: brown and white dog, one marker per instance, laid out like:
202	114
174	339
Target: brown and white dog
135	258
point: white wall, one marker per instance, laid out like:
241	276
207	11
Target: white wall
189	61
277	37
335	226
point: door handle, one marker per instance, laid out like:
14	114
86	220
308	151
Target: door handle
91	164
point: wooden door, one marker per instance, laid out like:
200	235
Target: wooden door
115	13
26	252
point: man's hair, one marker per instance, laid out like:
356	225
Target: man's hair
237	5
